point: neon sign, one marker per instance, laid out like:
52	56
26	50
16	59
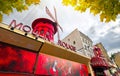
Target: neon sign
20	26
65	45
38	31
15	60
41	27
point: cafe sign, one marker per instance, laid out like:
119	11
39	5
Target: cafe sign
20	26
65	45
28	29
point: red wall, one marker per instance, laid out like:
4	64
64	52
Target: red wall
17	60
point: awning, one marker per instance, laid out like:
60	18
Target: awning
99	62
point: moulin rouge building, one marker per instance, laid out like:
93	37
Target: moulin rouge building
23	53
28	51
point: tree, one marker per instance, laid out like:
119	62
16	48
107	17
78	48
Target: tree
7	6
112	57
107	9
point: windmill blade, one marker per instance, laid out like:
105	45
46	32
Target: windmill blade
58	35
57	20
55	14
60	27
50	14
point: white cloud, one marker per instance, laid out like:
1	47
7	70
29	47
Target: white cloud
112	51
70	20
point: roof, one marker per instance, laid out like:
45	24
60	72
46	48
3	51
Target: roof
44	20
99	62
80	33
85	36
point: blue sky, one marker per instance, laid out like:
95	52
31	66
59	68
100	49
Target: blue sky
69	19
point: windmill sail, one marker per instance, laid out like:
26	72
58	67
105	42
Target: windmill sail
55	20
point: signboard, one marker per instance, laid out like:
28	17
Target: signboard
41	27
65	45
28	29
14	59
50	65
20	26
12	38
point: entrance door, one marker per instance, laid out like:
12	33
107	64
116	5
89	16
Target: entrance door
99	72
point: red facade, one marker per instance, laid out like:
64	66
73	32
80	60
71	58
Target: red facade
99	59
44	28
98	62
17	61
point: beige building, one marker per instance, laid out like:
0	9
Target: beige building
82	43
104	51
106	57
117	59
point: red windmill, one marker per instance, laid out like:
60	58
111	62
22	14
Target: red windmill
97	51
45	28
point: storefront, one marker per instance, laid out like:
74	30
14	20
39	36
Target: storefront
22	53
99	64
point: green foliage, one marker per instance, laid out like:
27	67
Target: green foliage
107	9
112	56
6	6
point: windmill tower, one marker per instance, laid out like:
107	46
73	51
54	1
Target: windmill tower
45	28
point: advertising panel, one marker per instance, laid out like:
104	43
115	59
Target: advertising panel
13	38
14	59
17	60
49	65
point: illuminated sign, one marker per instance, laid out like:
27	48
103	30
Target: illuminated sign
50	65
18	60
41	27
14	59
20	26
65	45
38	33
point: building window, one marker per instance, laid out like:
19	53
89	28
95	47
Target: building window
47	33
85	47
42	31
68	39
74	42
83	40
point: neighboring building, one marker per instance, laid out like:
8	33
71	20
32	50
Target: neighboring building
99	63
82	42
104	52
106	58
117	59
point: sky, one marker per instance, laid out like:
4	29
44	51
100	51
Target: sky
69	19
